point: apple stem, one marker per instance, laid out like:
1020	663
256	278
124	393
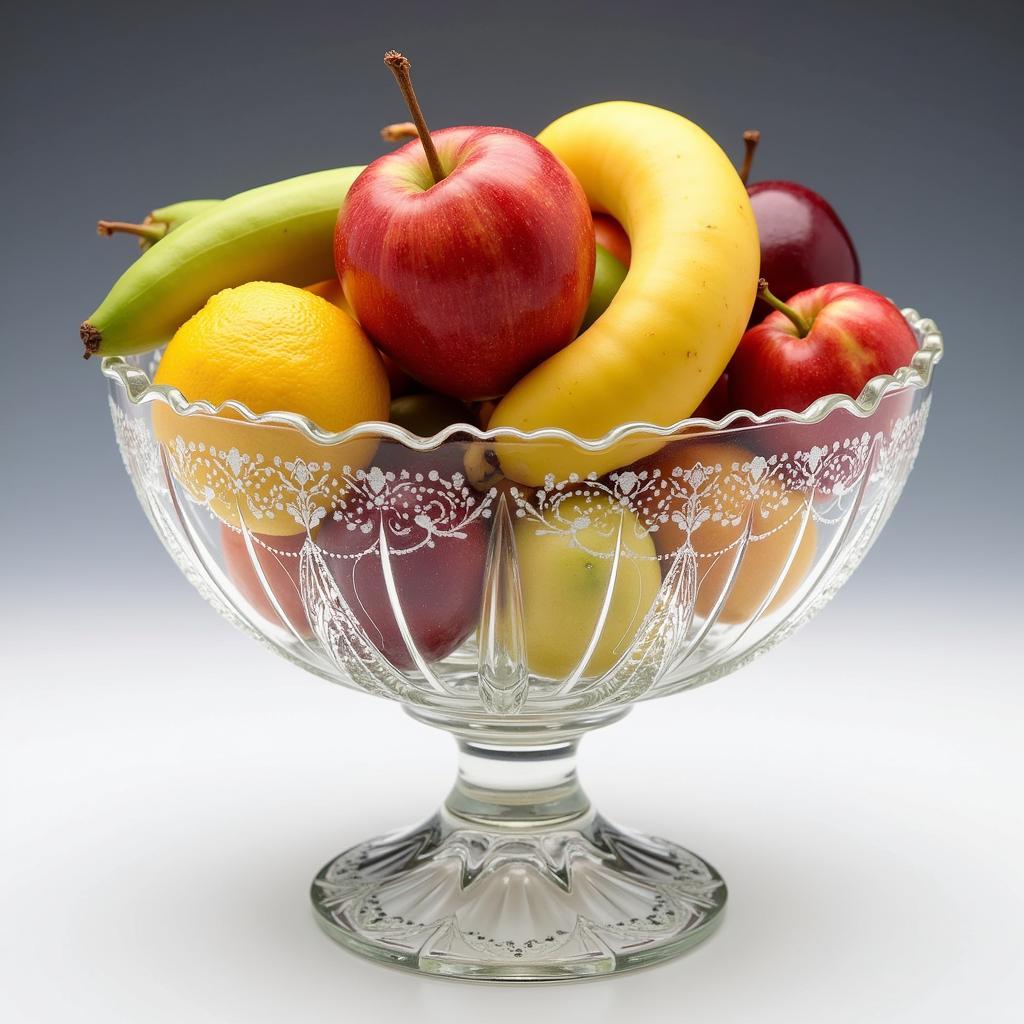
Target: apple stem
799	322
148	232
400	65
750	140
400	132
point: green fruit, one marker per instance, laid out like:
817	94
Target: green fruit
158	222
280	232
176	214
427	415
609	273
171	217
565	566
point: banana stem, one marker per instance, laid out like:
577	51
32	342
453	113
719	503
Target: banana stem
147	232
750	140
400	132
400	65
91	339
800	322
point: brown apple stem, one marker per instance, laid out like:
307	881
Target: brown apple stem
400	132
801	324
750	140
149	232
400	65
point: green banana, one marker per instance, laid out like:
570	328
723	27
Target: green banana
279	232
177	213
158	222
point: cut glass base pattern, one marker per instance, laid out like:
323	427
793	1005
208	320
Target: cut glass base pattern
546	905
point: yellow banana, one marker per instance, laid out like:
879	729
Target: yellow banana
682	309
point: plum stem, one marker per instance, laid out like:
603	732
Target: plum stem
799	322
148	232
750	140
400	66
400	132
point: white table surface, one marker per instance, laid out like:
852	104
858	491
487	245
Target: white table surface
159	826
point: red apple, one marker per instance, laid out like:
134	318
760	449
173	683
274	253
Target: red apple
278	559
609	233
401	383
471	281
837	428
438	577
828	340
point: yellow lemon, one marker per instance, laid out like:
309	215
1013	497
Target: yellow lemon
565	563
272	348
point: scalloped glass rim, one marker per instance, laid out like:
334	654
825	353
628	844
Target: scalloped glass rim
140	390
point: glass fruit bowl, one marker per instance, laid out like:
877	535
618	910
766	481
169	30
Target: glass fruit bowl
518	590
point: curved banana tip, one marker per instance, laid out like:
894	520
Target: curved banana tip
91	339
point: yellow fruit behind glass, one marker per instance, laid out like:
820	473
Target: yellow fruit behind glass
565	566
773	536
272	348
777	518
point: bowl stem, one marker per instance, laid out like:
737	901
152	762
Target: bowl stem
517	878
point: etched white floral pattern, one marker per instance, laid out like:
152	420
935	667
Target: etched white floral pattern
418	507
847	487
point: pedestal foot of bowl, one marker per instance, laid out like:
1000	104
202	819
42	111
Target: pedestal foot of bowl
506	884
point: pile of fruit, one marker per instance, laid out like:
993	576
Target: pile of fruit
613	270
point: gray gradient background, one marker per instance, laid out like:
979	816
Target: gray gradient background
904	120
906	116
